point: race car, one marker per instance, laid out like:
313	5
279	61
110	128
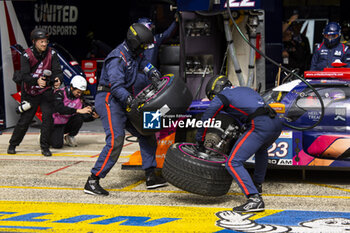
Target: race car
325	146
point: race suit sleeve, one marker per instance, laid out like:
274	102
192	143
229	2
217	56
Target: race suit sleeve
167	33
213	109
314	61
59	105
116	73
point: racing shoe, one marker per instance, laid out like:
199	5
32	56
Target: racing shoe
70	141
254	204
153	181
93	187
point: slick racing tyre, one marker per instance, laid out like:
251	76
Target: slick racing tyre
196	172
170	97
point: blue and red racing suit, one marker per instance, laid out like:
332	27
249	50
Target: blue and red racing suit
261	132
120	73
324	57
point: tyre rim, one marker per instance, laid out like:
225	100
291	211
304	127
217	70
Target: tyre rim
210	155
150	92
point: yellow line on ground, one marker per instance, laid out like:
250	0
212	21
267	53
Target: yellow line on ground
148	191
130	189
331	186
306	196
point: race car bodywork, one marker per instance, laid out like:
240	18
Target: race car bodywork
326	145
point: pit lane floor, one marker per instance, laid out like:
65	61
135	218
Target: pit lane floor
39	194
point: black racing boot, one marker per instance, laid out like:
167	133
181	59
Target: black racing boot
153	181
93	187
46	152
11	149
254	204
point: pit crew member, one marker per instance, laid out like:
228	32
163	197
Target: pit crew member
152	53
262	129
115	93
330	49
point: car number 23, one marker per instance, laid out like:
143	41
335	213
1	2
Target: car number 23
278	149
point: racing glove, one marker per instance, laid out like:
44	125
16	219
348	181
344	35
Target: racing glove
131	103
152	73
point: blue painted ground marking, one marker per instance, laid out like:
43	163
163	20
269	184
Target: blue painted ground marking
4	213
29	228
79	218
136	221
27	218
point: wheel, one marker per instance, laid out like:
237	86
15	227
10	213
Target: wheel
170	96
213	135
200	173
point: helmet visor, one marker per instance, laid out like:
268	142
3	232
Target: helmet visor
331	36
149	25
147	46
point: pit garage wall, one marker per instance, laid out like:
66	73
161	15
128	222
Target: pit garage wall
242	50
10	33
270	31
271	44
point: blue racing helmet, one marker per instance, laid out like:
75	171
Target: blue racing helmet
331	34
147	22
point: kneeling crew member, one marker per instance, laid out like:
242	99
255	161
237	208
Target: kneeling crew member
263	128
70	112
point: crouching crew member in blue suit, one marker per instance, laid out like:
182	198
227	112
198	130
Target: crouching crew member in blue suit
262	129
115	92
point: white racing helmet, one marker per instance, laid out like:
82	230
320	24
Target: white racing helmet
78	82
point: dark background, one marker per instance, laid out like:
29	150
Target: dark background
102	20
108	21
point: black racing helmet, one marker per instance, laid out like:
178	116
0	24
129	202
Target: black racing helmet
215	85
39	33
138	37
